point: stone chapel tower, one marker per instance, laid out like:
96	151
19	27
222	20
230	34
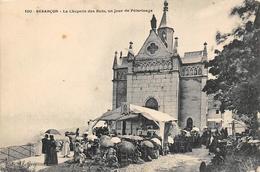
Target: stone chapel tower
158	78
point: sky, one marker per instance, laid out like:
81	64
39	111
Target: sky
56	69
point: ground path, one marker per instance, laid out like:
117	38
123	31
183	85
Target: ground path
187	162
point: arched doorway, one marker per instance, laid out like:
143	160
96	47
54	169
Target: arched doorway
189	123
152	103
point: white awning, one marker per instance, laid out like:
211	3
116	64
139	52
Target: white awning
134	110
215	120
152	114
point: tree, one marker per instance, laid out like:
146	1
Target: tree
236	67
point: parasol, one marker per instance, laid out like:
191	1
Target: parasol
92	137
187	133
170	140
136	138
104	137
53	131
195	129
254	141
157	141
115	140
147	144
106	143
126	146
125	137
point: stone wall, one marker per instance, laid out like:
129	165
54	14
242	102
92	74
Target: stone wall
164	87
190	101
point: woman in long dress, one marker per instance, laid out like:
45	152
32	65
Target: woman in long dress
53	158
66	147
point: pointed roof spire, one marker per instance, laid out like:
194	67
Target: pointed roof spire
164	17
115	60
175	48
153	23
205	52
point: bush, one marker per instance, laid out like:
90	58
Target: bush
20	166
236	163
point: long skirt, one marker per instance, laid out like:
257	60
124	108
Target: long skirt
53	158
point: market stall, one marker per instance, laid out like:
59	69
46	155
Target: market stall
131	119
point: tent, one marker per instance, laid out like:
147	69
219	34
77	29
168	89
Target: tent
134	111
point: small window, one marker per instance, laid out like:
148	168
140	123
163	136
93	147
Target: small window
217	111
118	125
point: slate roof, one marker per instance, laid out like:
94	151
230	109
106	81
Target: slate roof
192	57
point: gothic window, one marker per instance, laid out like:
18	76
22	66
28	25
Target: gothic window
152	104
195	71
189	123
152	48
187	72
164	36
191	71
183	71
199	71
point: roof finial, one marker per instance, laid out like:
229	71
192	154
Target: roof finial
121	53
115	60
165	8
130	50
153	23
175	48
205	52
164	17
130	45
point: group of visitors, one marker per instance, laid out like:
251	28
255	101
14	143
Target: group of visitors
145	148
49	150
216	142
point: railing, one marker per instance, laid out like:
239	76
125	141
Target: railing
12	153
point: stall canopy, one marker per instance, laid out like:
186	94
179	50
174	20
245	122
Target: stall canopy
128	111
134	111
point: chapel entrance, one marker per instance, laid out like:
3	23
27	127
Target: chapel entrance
152	104
189	124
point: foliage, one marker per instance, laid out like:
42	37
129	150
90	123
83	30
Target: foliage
236	67
20	166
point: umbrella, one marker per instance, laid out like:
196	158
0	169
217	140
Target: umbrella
170	140
106	143
125	137
92	137
147	144
53	131
126	146
195	129
115	140
186	132
104	137
136	138
157	141
254	141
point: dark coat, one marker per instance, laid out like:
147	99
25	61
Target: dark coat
44	145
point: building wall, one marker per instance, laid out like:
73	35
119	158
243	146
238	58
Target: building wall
119	87
190	101
164	87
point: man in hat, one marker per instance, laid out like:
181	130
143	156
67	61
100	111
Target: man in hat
45	145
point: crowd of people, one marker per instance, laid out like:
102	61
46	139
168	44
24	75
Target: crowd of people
116	150
113	150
